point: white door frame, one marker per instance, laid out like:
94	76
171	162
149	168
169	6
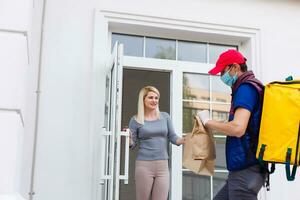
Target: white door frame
176	70
248	40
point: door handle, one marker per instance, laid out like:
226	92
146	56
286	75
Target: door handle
104	174
126	133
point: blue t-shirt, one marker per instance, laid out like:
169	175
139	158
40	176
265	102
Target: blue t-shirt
246	97
239	152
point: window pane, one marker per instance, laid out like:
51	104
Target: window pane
219	181
220	91
160	48
216	50
220	153
133	45
191	51
189	110
220	112
196	86
195	186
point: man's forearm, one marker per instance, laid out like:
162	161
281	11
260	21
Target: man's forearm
228	128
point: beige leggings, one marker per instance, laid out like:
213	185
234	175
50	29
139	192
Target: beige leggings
152	179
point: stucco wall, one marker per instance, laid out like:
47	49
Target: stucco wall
64	151
15	18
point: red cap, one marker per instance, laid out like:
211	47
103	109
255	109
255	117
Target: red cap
227	58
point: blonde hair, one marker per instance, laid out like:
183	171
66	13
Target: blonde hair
142	94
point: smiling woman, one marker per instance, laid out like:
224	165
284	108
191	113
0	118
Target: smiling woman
148	104
152	130
151	101
133	81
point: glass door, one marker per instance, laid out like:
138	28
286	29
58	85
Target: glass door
110	167
205	92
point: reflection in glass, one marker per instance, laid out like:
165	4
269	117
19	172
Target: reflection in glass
196	86
216	50
195	186
220	91
196	91
192	51
160	48
220	112
219	181
220	162
189	110
133	45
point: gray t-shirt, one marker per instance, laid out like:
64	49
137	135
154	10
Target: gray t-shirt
153	137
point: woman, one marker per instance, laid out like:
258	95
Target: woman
152	130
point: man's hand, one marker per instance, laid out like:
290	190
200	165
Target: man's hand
204	116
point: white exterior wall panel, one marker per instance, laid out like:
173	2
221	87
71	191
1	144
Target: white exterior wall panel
15	17
64	155
15	14
70	97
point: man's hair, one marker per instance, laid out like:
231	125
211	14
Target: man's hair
243	67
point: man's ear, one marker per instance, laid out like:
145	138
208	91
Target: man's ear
236	67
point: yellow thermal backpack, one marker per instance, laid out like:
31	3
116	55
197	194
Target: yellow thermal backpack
280	126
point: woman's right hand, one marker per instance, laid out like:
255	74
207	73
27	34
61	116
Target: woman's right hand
180	141
130	138
130	135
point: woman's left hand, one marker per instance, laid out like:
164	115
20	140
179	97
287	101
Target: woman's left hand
180	141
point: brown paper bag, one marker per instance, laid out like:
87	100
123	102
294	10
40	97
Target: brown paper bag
199	150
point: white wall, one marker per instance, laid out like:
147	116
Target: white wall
64	148
15	14
65	142
14	22
13	64
10	134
